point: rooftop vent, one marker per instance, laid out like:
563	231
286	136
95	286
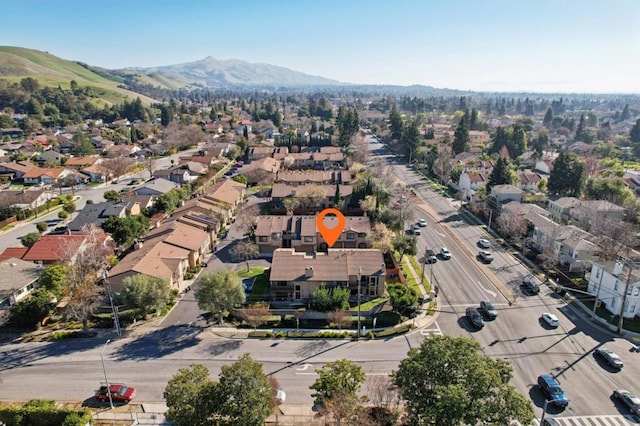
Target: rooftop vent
308	272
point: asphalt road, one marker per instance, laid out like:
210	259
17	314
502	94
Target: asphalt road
37	370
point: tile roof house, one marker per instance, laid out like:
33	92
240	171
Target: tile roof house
300	233
49	157
45	176
295	275
49	248
177	175
282	191
155	258
23	199
185	236
156	187
80	163
13	252
528	181
17	280
263	169
96	173
503	193
473	180
16	169
227	191
98	213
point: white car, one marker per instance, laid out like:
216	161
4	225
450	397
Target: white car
422	223
550	319
416	230
484	243
445	253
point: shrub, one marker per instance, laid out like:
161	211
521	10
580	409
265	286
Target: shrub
42	226
43	413
63	215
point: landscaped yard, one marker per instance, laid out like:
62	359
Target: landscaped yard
260	291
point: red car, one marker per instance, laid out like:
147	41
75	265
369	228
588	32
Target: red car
119	393
238	165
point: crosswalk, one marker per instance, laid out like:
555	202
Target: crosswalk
431	332
603	420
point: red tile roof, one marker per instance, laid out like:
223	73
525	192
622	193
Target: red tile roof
48	248
16	252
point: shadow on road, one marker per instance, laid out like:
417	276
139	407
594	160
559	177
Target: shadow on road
159	343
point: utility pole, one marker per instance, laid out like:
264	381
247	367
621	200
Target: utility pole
424	263
114	308
359	283
595	303
104	370
624	297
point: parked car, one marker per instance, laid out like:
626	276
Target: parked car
119	393
279	396
550	319
416	230
484	243
238	164
628	399
445	253
474	317
485	256
530	284
431	257
422	223
552	390
488	310
610	358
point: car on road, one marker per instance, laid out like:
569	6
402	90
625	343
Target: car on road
552	390
484	243
550	319
474	317
488	310
609	357
422	223
431	257
628	399
445	253
485	256
119	393
530	284
549	421
416	230
238	164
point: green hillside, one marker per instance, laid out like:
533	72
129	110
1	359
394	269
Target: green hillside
17	63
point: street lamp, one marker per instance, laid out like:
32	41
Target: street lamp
359	283
104	370
544	412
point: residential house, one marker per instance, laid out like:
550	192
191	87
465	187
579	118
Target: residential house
97	173
18	199
155	258
470	182
281	191
13	252
16	170
196	169
203	206
98	213
185	236
178	175
79	163
17	280
560	208
144	201
115	151
261	170
203	221
318	177
50	157
296	275
503	193
544	166
227	191
11	132
591	212
156	187
45	176
207	160
51	248
607	282
258	152
301	233
528	181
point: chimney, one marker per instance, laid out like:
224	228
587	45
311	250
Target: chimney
617	269
308	272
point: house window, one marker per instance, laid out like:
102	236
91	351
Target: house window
632	308
597	273
263	239
351	236
636	291
297	294
308	239
617	285
276	236
362	235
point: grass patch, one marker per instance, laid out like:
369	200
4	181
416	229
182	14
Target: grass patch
252	272
431	309
393	331
260	290
367	306
630	324
410	280
418	268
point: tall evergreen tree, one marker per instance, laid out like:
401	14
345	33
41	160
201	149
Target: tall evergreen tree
461	136
548	117
395	119
635	132
501	173
580	131
567	176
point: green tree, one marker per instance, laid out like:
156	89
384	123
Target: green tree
461	136
188	396
635	132
53	278
125	230
501	174
82	146
582	127
30	312
610	189
448	381
146	293
41	226
63	214
411	139
405	244
111	195
243	394
330	299
567	176
219	292
30	239
401	296
548	117
395	120
338	379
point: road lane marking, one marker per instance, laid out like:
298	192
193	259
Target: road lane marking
492	293
304	367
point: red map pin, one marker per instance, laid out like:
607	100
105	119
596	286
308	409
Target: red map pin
330	235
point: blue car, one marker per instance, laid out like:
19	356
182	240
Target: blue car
552	390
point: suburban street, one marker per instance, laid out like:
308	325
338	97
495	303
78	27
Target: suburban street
36	369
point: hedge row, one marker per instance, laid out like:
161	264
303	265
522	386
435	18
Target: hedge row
44	416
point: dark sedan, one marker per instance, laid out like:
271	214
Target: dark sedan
474	317
610	358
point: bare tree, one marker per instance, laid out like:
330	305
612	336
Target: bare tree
85	261
244	251
442	164
247	218
340	318
359	149
513	227
380	237
384	396
117	166
309	196
150	165
256	314
260	176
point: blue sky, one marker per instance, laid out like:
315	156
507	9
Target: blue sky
493	45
